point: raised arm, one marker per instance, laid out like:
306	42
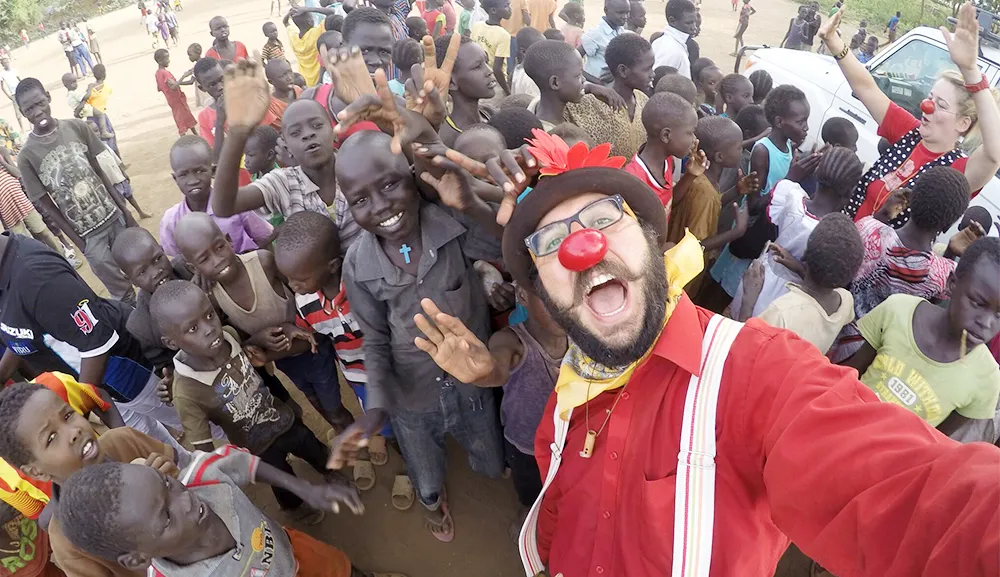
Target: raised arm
857	75
963	46
246	101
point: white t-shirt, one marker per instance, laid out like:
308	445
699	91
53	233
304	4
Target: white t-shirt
10	79
671	50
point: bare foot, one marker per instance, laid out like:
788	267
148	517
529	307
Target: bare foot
144	216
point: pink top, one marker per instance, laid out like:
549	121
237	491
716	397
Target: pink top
241	228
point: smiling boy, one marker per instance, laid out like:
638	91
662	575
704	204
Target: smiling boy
411	249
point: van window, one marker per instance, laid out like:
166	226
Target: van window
907	75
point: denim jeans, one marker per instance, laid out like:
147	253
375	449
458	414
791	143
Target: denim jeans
82	56
471	417
315	374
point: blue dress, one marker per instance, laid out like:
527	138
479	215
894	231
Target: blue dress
728	270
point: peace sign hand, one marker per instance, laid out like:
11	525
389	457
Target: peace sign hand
382	109
452	345
416	97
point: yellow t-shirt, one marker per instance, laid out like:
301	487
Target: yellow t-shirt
99	97
494	40
903	375
306	53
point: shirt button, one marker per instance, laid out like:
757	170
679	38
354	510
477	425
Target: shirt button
420	282
607	514
599	570
438	379
614	455
625	395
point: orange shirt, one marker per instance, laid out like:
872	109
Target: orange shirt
542	11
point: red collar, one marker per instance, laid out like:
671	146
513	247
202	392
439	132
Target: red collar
680	341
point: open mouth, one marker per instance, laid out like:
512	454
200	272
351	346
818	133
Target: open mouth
225	271
606	296
89	450
161	281
202	513
216	343
312	147
492	83
392	221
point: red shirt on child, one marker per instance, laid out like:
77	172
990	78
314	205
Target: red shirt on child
241	52
638	169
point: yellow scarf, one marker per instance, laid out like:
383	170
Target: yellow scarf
582	378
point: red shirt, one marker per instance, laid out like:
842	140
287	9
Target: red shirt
895	125
804	450
241	52
638	169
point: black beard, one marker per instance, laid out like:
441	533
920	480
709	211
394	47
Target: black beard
654	287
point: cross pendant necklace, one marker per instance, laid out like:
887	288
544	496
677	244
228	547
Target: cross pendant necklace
405	251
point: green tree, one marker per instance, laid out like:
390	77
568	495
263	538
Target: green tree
17	14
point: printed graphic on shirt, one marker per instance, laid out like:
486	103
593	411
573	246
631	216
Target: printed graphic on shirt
84	318
70	179
897	383
20	544
244	399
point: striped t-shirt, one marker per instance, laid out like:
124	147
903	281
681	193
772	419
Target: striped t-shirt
14	205
333	318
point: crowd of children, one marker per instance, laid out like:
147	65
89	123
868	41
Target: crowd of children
340	217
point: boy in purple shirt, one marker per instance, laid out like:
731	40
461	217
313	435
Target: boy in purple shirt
191	163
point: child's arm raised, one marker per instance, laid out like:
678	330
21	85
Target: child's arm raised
723	238
454	186
246	101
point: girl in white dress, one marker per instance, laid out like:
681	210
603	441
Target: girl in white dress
795	215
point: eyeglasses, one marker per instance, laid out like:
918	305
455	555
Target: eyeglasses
597	215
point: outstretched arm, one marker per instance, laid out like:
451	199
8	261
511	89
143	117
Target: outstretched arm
883	493
963	46
862	83
246	101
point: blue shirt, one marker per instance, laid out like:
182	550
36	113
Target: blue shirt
893	22
595	42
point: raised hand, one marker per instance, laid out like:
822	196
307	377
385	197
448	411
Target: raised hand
452	182
348	72
828	30
963	44
424	98
440	76
510	170
697	161
747	184
742	220
245	94
382	109
456	349
960	242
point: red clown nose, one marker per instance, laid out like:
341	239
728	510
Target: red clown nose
927	106
583	249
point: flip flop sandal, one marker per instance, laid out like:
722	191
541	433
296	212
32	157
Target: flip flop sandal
364	475
446	521
377	450
402	493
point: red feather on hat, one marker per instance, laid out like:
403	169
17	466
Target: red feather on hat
556	157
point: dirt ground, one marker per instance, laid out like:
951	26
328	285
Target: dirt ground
383	539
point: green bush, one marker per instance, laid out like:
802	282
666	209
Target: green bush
18	14
877	13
